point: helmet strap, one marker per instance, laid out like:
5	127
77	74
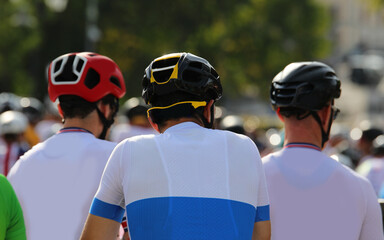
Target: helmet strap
324	134
107	123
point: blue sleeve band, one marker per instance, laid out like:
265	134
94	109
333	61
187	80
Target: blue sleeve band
262	213
106	210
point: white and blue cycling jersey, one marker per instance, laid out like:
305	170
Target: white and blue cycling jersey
187	183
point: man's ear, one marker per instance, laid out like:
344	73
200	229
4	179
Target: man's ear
324	114
60	110
105	109
207	110
154	125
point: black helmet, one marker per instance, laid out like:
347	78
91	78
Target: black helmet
305	85
181	72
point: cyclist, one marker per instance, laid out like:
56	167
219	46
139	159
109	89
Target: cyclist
190	181
33	110
313	196
373	168
56	180
13	125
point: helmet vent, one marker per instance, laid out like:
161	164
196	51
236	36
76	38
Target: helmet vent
67	74
79	65
191	76
214	73
162	76
115	81
92	78
165	63
198	65
330	74
285	96
57	65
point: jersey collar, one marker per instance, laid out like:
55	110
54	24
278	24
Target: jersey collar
73	129
303	145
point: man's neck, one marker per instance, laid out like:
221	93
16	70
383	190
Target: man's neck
174	122
88	124
302	132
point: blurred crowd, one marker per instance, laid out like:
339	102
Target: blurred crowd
26	121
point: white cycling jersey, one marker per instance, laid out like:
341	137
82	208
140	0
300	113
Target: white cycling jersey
187	183
55	183
312	196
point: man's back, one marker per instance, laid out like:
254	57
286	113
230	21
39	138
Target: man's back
187	183
314	197
124	130
56	181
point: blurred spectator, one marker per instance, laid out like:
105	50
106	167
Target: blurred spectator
135	110
236	124
33	109
9	101
220	113
12	145
373	167
365	143
339	148
233	123
51	122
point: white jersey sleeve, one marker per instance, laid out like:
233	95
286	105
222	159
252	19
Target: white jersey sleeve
109	198
262	211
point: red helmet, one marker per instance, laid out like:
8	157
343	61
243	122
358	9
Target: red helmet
88	75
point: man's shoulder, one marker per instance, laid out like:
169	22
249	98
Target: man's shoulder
4	182
231	136
141	138
348	172
272	155
104	144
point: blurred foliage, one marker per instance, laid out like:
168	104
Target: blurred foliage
248	41
376	3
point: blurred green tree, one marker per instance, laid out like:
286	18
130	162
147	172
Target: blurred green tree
248	41
18	25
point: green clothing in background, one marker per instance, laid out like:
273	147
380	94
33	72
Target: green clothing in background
11	216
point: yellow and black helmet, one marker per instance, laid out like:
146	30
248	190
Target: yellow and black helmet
181	72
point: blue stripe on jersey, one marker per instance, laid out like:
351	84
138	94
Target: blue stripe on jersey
190	218
106	210
262	213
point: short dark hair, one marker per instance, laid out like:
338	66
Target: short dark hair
136	111
160	116
75	106
371	133
292	111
